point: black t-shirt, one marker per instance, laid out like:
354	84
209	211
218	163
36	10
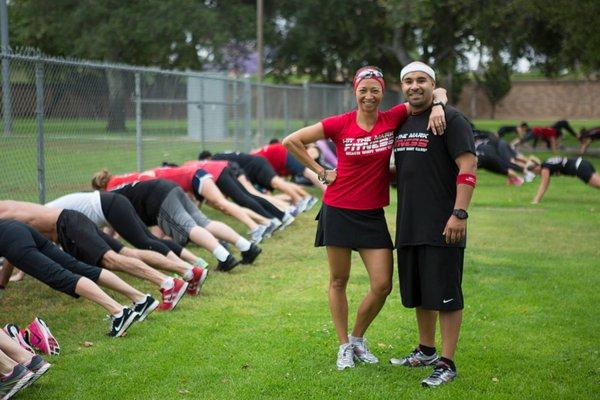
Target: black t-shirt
562	165
426	177
147	197
247	162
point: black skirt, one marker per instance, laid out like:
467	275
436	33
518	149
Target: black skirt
356	229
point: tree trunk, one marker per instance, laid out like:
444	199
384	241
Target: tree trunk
116	100
493	113
398	46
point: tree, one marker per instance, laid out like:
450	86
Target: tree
496	81
164	33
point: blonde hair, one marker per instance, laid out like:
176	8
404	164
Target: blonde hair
100	179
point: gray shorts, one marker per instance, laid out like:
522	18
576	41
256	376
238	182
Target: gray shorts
178	215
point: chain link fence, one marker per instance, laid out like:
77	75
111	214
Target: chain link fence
63	120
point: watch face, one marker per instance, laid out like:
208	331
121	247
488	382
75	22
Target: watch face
460	214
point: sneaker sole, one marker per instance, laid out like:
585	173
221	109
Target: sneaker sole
54	349
398	363
344	367
180	294
37	374
20	385
152	307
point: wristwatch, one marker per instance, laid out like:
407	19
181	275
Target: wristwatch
460	213
438	103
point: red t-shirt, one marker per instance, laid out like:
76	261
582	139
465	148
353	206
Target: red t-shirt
213	167
180	175
362	181
276	154
544	133
118	180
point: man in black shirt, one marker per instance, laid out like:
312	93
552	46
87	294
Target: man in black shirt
578	167
435	181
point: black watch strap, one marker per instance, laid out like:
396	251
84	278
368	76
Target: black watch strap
460	213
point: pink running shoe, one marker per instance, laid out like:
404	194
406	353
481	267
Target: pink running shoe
41	338
196	282
14	332
516	180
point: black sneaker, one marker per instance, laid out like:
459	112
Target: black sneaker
250	255
441	375
17	380
228	264
119	325
145	307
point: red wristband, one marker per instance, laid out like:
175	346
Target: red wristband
466	179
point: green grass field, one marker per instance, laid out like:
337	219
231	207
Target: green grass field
264	331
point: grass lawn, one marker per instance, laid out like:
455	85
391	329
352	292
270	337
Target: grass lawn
264	331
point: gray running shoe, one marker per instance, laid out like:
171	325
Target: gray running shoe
440	375
38	366
311	202
415	359
345	358
14	382
362	353
256	235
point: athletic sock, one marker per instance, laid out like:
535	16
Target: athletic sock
428	351
188	275
355	339
119	314
220	253
242	244
448	362
167	284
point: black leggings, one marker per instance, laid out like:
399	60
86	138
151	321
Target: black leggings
32	253
488	158
121	215
563	124
231	187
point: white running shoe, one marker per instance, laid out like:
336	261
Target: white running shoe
362	353
345	358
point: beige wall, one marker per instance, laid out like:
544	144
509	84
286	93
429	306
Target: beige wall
537	99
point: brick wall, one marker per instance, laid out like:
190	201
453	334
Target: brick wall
537	99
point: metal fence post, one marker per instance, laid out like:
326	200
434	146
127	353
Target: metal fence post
286	112
138	121
235	103
305	94
202	109
6	95
260	114
247	115
39	117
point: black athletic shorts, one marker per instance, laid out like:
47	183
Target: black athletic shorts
260	172
431	277
356	229
294	166
585	171
82	239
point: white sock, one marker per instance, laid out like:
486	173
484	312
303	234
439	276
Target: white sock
119	314
188	275
167	284
220	253
354	339
242	244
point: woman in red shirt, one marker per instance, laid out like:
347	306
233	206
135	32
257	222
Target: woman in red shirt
352	214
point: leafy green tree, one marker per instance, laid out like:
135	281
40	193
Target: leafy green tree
165	33
496	81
